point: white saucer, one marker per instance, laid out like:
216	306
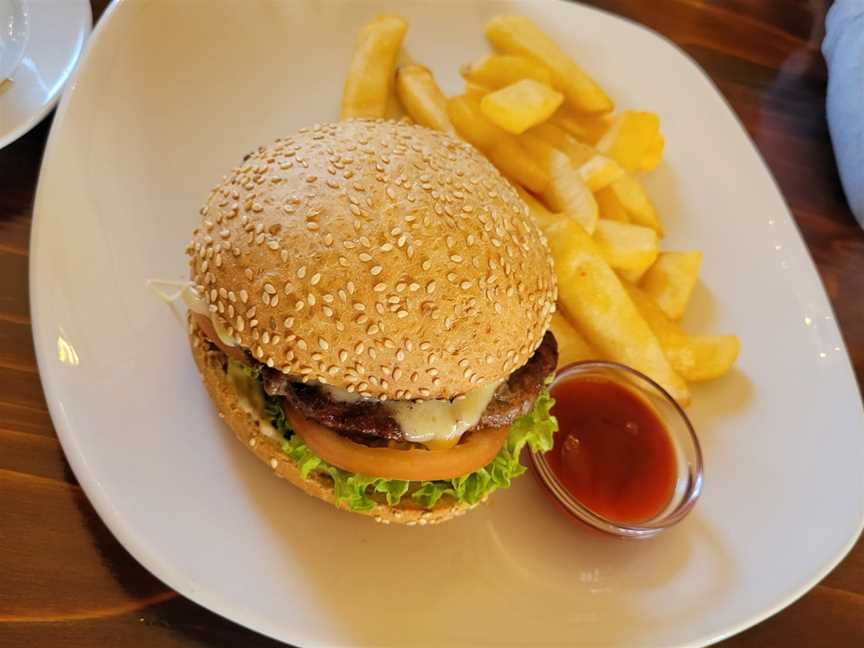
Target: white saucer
40	43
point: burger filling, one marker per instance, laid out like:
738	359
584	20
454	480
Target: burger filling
521	405
435	423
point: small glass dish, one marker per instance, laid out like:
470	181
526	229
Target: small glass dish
688	455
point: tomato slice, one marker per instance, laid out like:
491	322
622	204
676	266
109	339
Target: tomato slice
203	322
475	451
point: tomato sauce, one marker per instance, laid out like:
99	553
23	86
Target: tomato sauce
612	451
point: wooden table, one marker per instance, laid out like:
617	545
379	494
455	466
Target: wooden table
65	581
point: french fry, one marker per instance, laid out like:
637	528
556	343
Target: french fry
566	191
633	141
585	128
370	74
464	113
695	357
630	194
595	300
713	356
422	98
599	172
670	281
476	91
609	207
521	105
394	109
653	155
669	334
521	36
572	347
499	70
500	147
626	247
577	151
542	216
513	162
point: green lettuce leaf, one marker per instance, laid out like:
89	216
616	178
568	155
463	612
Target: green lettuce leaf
536	430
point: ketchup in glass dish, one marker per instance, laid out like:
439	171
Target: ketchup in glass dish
625	457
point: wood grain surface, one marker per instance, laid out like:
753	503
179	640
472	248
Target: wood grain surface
65	581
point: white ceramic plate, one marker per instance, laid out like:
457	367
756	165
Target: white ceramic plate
168	97
40	43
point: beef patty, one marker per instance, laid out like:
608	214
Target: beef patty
371	418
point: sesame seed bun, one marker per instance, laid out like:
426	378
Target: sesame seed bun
247	429
380	257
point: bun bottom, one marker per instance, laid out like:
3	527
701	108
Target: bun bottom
247	428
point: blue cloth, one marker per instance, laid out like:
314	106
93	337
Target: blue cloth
843	48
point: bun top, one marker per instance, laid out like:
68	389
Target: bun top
379	257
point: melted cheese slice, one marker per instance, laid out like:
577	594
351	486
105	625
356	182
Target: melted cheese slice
438	424
250	398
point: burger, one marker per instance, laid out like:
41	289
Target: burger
372	314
